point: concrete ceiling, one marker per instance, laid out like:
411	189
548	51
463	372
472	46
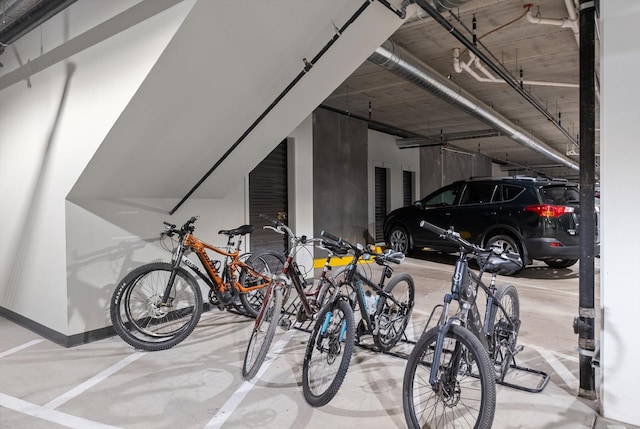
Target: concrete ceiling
541	52
547	53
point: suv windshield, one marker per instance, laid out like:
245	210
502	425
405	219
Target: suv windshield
560	195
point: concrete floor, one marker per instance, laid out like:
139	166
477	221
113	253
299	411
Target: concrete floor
198	383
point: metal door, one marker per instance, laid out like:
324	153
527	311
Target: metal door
268	194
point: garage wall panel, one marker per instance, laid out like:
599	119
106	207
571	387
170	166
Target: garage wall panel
340	185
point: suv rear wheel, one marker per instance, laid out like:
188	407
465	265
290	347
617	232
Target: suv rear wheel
560	263
507	244
399	239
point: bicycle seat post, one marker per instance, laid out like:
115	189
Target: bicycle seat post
239	242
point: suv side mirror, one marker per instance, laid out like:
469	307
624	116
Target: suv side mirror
418	204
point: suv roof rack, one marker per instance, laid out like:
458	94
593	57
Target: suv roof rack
533	179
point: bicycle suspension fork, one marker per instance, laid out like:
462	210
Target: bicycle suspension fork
177	259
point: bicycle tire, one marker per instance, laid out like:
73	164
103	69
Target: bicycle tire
263	333
138	320
269	263
505	334
392	320
327	287
328	353
467	399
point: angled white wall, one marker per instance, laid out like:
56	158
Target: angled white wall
52	122
124	107
620	204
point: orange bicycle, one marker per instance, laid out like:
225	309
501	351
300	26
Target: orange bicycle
157	305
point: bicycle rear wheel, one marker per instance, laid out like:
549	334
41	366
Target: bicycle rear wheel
464	395
505	330
393	318
263	332
142	321
328	353
269	263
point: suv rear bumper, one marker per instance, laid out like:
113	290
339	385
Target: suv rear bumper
541	248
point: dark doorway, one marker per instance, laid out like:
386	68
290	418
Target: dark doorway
268	194
408	186
380	201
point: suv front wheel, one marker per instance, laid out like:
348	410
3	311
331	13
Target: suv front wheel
399	239
507	244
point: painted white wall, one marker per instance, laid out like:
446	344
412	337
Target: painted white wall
106	239
620	204
301	187
50	127
383	152
98	131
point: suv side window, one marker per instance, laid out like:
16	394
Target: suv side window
478	193
445	197
511	192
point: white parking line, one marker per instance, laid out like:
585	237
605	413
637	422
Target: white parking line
58	417
520	284
55	403
21	347
567	376
237	397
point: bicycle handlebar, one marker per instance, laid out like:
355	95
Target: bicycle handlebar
395	257
186	228
345	246
283	229
333	247
333	237
453	236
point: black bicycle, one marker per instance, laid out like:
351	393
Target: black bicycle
385	315
450	377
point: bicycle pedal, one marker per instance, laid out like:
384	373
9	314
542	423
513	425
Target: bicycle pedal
517	350
285	324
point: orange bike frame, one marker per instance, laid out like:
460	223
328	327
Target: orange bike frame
199	247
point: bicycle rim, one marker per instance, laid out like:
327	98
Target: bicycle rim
148	316
268	263
464	396
505	334
263	333
392	319
328	353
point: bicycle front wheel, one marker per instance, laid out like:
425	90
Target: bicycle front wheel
140	317
392	319
263	332
464	393
268	263
328	353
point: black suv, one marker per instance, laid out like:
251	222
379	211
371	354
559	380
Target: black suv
536	218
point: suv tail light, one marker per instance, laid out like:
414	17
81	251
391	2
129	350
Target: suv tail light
548	210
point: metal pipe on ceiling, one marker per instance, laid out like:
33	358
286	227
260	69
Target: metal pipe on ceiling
500	71
400	62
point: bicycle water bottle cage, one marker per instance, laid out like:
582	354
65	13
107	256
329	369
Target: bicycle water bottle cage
217	264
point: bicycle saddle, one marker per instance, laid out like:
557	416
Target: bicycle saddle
502	263
241	230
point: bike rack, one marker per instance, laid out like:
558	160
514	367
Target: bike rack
544	378
306	326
